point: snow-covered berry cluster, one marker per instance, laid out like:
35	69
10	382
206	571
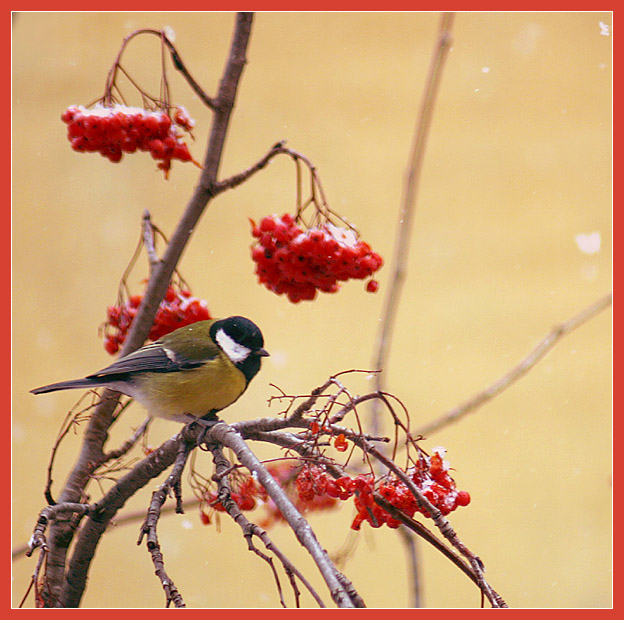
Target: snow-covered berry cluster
178	308
115	130
298	263
431	477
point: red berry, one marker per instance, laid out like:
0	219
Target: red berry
463	498
341	443
69	114
111	345
268	224
75	129
79	143
288	219
372	286
113	153
181	152
164	124
150	126
246	503
181	117
157	148
128	145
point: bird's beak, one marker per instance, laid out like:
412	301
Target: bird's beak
262	353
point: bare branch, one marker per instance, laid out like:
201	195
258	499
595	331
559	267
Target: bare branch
227	436
100	516
510	377
426	534
130	442
241	177
412	179
96	434
222	467
148	529
148	239
436	516
411	551
175	57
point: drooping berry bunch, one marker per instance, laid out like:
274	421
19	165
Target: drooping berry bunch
118	129
178	308
298	263
431	476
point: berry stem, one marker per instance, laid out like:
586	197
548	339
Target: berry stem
177	63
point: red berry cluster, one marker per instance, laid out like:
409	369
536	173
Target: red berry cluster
430	476
314	482
248	494
113	131
299	263
245	492
178	308
285	474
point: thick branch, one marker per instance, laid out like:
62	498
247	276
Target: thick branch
96	435
99	518
226	435
222	466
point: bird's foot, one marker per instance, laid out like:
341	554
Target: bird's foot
205	424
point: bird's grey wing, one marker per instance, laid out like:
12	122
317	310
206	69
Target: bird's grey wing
151	358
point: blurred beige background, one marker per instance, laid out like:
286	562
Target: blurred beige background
518	164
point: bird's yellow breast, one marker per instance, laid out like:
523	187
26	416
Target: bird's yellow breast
171	395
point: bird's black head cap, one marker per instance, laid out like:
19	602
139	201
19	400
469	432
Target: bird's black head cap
246	333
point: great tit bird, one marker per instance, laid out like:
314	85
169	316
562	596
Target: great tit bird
192	372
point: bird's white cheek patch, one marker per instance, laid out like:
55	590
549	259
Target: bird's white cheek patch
234	350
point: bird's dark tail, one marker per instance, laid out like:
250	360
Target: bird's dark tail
75	384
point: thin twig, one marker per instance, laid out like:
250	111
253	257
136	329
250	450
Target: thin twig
72	419
408	204
241	177
50	514
413	561
177	62
510	377
129	443
100	516
35	579
148	239
149	527
422	531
